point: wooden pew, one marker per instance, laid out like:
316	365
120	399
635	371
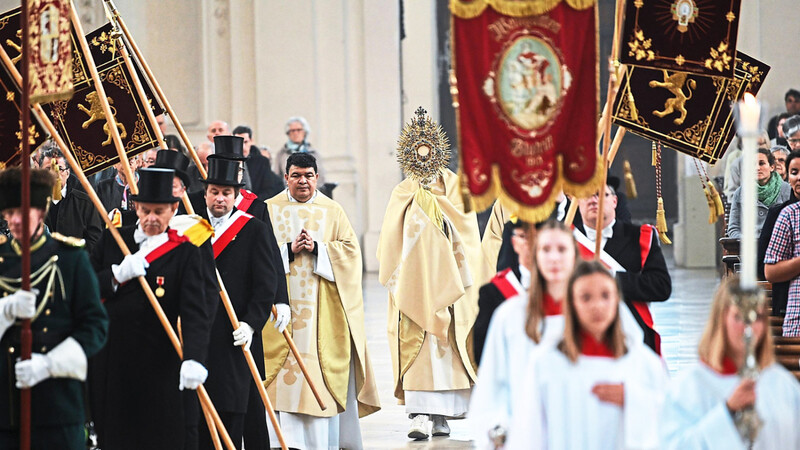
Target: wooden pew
787	349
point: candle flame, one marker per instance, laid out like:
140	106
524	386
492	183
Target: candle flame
749	99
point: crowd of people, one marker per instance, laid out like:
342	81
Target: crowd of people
557	350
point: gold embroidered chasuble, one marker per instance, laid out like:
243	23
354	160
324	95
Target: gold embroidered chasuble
327	317
431	264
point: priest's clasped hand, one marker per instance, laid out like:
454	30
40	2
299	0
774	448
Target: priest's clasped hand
610	393
303	241
193	374
132	266
284	316
243	335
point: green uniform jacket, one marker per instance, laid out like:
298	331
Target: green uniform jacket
79	314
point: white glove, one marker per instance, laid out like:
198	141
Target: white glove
32	371
243	335
19	305
284	316
132	266
193	374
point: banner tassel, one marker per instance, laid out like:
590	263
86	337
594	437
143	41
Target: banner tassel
661	223
630	183
712	208
720	208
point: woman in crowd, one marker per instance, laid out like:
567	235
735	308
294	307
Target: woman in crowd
780	290
772	190
700	408
518	325
596	388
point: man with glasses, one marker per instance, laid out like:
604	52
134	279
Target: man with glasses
73	213
633	253
297	131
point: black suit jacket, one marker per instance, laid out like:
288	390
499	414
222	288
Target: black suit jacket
111	193
246	270
134	379
641	283
75	215
780	291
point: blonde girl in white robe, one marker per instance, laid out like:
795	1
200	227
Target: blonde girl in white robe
596	389
519	325
700	407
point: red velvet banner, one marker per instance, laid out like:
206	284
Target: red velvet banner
527	106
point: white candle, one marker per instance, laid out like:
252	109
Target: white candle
749	110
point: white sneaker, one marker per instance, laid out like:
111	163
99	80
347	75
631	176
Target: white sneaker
440	426
419	427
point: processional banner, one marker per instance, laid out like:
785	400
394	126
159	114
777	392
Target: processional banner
688	112
527	96
50	62
697	36
80	121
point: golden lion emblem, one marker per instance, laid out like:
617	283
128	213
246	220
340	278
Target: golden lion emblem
674	84
95	112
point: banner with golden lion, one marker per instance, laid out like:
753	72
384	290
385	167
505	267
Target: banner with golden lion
690	113
526	81
80	121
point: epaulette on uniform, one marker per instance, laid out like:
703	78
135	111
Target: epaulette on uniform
69	241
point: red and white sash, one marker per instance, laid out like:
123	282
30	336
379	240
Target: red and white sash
507	283
586	248
225	234
244	200
173	240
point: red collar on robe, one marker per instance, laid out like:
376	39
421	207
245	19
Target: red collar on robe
550	306
728	366
591	347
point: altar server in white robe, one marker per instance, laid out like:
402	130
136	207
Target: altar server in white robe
597	388
518	325
700	407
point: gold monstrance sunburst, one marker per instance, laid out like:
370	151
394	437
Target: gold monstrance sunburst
422	148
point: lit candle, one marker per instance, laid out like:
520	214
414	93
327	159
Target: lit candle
749	111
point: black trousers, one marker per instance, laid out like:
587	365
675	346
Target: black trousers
256	436
233	422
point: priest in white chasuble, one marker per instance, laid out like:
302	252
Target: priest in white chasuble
431	264
322	262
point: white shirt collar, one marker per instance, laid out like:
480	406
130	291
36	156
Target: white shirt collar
311	200
217	222
606	234
147	243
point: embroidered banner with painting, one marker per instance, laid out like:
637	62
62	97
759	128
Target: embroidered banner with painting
688	112
697	36
50	64
11	123
526	78
80	121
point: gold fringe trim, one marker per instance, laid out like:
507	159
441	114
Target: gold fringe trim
712	210
469	9
630	182
535	214
661	223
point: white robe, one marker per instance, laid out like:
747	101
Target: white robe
695	416
498	393
560	411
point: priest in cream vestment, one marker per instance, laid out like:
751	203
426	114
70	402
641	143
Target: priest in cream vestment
431	264
322	261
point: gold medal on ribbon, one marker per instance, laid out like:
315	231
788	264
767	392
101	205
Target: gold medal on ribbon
160	288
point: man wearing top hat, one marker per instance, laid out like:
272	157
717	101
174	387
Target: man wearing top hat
68	322
231	148
242	254
136	380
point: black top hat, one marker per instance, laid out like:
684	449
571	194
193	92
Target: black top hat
170	159
42	182
155	186
224	172
229	147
